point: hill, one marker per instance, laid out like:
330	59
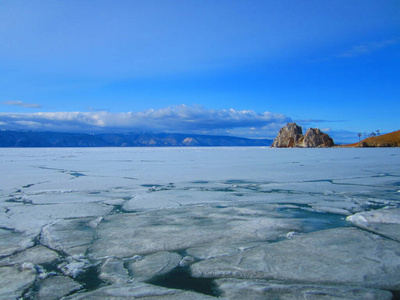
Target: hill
132	139
385	140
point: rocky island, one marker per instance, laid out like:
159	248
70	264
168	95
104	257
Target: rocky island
291	136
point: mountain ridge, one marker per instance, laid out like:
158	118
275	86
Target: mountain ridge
21	139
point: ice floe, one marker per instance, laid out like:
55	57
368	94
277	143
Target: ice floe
152	265
127	235
237	289
382	221
138	291
55	287
37	255
71	236
113	272
12	241
15	281
345	256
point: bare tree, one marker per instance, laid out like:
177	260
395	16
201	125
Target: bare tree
359	136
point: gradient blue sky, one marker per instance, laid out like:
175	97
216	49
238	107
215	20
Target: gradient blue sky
243	67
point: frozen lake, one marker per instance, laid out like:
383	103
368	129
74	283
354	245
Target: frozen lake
199	223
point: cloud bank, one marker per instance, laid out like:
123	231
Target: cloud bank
21	104
182	119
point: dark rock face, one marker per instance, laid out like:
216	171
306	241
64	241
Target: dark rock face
288	136
292	136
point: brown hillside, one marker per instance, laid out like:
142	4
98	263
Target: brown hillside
385	140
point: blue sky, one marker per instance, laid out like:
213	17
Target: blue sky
240	68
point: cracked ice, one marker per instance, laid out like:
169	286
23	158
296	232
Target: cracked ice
199	223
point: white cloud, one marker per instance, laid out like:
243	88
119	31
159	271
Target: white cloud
367	49
21	103
30	124
182	118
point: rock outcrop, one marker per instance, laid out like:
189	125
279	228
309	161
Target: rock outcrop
316	138
288	136
292	136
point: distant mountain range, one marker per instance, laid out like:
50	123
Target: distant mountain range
132	139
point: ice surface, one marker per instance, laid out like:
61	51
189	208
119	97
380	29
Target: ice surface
157	264
55	287
334	256
113	272
37	255
127	235
14	281
382	221
138	291
12	242
95	217
30	218
71	236
237	289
